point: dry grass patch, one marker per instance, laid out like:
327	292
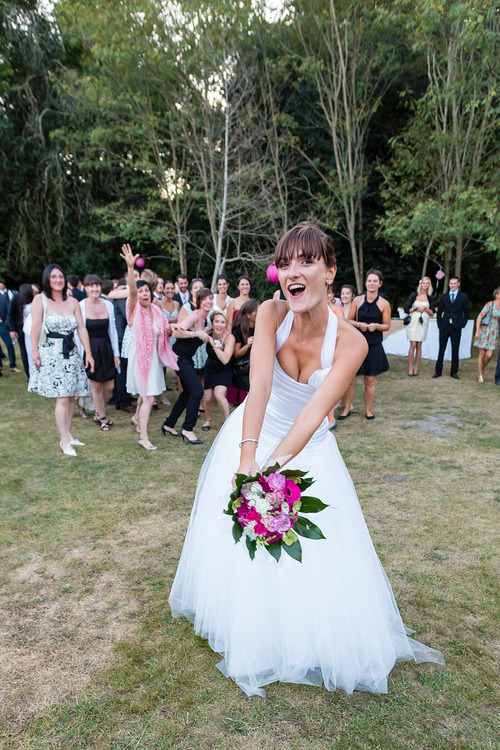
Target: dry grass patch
93	659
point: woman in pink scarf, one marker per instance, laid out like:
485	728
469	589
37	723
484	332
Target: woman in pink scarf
150	349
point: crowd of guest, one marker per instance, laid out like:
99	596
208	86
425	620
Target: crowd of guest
99	342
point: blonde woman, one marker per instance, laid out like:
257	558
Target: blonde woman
421	306
219	368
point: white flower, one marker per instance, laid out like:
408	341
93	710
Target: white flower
262	505
252	492
249	531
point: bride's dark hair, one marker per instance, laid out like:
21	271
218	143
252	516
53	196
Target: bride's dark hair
308	240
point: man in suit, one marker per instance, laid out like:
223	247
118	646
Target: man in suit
452	316
6	334
183	296
76	287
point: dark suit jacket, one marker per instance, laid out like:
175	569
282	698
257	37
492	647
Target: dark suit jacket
458	312
15	320
78	294
4	309
120	318
177	298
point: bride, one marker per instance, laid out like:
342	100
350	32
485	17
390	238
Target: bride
331	619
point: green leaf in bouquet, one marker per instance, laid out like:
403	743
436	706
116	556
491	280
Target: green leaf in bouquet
304	484
290	537
274	469
311	504
307	528
241	479
296	506
294	550
274	549
291	473
237	531
251	547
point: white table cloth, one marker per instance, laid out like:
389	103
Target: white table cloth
398	344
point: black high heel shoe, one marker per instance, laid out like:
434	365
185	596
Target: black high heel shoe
167	432
193	442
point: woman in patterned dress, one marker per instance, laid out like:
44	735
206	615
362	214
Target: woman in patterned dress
487	336
58	368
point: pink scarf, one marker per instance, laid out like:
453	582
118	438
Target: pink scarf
143	329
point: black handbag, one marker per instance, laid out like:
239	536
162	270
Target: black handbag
486	320
241	374
407	320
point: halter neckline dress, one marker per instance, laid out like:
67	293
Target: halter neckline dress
331	619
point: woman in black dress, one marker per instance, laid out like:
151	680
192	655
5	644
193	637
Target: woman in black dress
218	368
370	314
243	331
99	317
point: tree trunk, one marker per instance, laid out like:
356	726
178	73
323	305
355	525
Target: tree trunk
427	256
459	256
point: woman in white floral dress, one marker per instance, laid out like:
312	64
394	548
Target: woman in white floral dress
58	368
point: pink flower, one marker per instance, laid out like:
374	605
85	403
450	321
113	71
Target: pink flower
263	483
276	482
275	498
246	514
440	274
280	524
292	492
260	529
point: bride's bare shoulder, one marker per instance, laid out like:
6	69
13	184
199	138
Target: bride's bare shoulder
348	336
272	312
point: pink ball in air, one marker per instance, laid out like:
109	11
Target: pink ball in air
140	262
272	272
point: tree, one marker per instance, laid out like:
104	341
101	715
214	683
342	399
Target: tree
441	190
350	67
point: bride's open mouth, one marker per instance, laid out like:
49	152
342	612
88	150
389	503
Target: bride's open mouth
296	289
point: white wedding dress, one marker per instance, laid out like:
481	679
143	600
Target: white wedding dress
331	619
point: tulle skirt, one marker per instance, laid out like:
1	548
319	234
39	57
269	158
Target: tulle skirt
331	619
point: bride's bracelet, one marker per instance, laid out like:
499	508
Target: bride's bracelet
249	440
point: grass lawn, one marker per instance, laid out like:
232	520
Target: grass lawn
91	658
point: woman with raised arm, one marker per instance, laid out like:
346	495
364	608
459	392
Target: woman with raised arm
150	348
331	619
58	368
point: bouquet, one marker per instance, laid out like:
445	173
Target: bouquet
265	510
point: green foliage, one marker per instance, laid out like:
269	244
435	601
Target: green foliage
441	188
201	131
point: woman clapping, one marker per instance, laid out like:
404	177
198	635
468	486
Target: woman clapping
218	370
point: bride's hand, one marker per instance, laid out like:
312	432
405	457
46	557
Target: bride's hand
247	469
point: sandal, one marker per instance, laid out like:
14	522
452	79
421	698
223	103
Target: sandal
135	423
102	420
207	426
82	413
104	426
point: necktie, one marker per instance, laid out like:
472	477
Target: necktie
452	297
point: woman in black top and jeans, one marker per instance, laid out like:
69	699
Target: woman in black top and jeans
189	334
